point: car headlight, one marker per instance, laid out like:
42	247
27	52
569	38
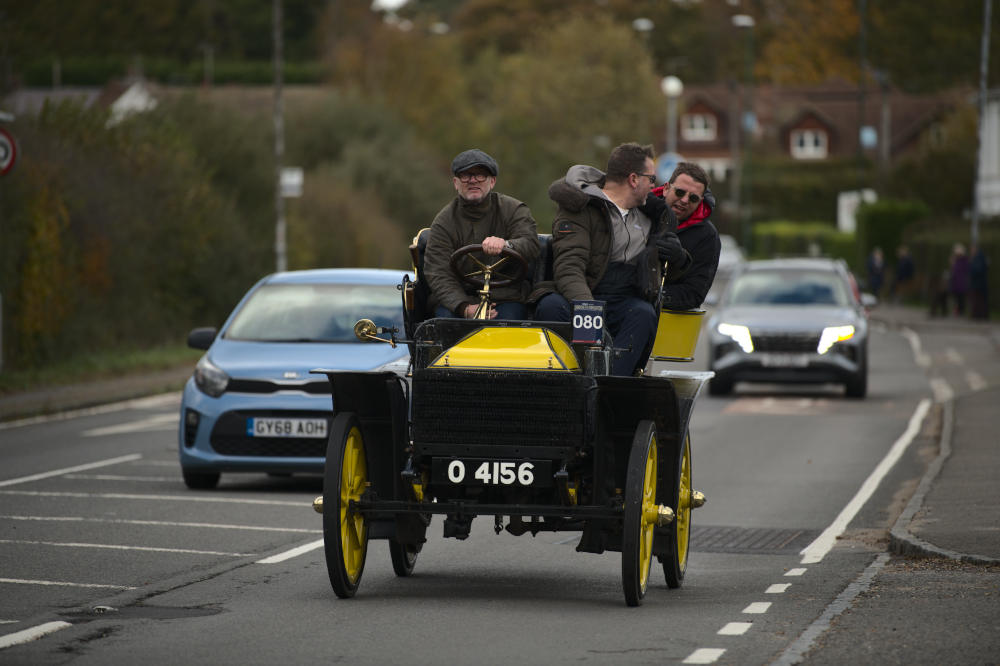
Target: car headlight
210	378
741	334
833	334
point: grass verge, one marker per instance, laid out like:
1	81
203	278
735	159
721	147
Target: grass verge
100	365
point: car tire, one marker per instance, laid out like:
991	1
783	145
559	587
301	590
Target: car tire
404	557
200	480
857	386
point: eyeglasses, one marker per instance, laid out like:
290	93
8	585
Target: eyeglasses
692	197
651	176
473	177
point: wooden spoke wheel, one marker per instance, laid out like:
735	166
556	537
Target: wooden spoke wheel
640	513
345	530
679	530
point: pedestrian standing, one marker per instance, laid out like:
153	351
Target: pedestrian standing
979	302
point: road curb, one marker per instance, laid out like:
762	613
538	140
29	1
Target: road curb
901	540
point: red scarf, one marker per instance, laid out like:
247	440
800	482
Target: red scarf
700	213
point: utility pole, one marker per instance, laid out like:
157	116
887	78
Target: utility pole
279	144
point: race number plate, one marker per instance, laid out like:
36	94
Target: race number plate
491	472
278	427
588	322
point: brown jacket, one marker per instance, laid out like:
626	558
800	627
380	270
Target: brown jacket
459	224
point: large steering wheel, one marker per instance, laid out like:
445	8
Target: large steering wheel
509	267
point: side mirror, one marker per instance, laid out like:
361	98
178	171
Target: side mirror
202	338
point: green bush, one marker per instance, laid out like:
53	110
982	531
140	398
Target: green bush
789	238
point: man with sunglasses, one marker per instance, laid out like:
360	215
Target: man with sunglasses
478	215
688	196
605	248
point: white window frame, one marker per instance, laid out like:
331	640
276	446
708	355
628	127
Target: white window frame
814	144
706	128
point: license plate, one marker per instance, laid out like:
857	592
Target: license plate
278	427
784	360
491	472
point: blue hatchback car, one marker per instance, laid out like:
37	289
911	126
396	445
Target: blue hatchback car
252	404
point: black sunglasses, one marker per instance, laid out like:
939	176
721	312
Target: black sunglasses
692	197
651	176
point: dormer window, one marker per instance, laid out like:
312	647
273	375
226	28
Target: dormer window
808	144
698	127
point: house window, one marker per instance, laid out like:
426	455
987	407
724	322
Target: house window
809	144
698	127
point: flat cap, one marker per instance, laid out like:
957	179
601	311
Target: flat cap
472	158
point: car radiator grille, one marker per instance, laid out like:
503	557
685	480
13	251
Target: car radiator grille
770	342
229	437
483	407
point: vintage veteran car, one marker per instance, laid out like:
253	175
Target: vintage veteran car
518	420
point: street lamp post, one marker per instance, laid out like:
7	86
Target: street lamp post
747	121
672	88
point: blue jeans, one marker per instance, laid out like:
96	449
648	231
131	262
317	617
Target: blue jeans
630	320
507	310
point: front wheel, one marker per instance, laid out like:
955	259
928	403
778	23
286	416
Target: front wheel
345	530
679	529
200	480
640	513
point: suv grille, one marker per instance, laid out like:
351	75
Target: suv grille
803	343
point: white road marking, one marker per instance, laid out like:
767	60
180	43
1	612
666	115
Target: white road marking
28	635
294	552
70	470
922	359
976	381
22	581
704	656
186	551
817	550
777	588
941	390
157	498
122	477
162	422
164	523
798	571
757	608
735	628
953	356
9	621
138	403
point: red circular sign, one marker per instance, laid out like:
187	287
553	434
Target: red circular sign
8	151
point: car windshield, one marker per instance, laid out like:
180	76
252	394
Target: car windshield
315	312
788	287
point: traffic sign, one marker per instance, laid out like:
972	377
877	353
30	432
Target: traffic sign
665	165
8	151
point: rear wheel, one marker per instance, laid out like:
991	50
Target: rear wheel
345	530
857	386
404	557
640	513
679	529
200	480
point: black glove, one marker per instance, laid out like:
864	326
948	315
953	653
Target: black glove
669	249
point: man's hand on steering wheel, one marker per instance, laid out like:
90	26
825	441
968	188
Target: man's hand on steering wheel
469	311
493	245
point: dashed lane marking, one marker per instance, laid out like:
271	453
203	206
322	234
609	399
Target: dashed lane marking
976	381
791	406
922	359
953	356
151	549
123	477
294	552
27	635
157	422
704	656
735	628
156	498
777	588
163	523
62	583
797	571
757	608
69	470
